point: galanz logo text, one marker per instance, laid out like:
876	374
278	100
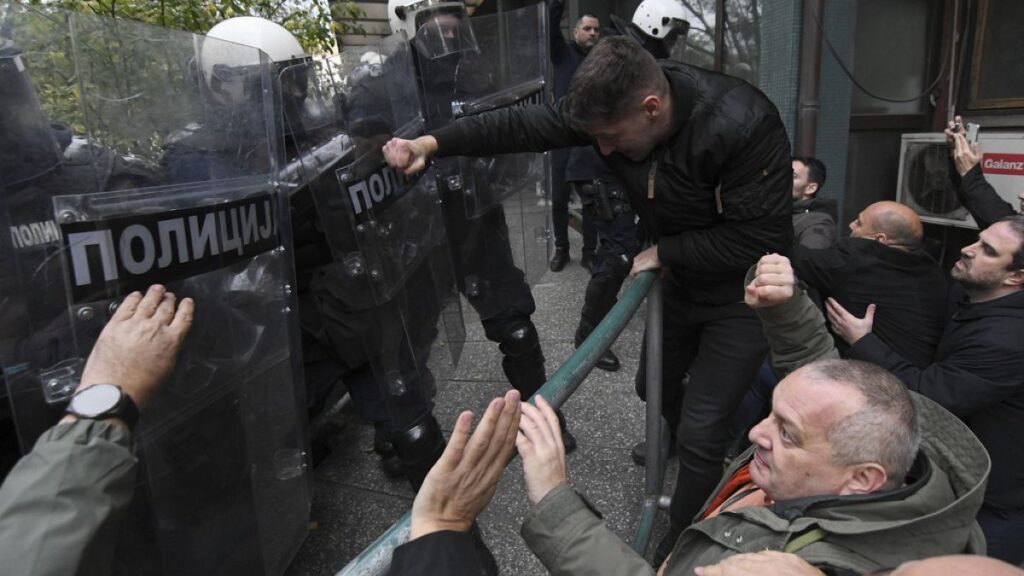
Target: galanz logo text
1012	164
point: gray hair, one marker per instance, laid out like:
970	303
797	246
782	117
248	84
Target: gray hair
884	430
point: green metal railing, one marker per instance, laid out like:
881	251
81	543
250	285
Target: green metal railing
376	558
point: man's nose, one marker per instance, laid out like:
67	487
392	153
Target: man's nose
758	437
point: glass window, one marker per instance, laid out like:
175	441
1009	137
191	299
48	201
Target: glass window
742	39
997	78
700	41
890	55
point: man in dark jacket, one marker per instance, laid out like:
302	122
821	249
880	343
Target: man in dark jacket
814	218
978	370
882	264
705	161
566	57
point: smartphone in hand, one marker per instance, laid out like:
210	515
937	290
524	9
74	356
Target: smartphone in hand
972	134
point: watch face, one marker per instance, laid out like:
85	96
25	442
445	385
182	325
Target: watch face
95	400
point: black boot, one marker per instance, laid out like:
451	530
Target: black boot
568	440
602	293
390	463
559	259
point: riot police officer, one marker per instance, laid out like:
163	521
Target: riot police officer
444	42
347	331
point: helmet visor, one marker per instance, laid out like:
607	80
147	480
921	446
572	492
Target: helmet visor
441	32
675	39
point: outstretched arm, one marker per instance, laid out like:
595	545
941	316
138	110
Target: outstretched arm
793	325
458	487
62	505
562	529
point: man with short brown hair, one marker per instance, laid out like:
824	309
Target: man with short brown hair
704	160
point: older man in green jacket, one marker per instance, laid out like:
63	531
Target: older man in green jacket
851	472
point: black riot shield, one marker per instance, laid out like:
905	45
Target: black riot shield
503	199
167	174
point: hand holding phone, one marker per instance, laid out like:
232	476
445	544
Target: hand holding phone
972	134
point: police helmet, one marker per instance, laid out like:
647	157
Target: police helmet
28	147
436	27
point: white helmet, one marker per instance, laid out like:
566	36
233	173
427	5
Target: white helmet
436	27
657	18
232	73
270	37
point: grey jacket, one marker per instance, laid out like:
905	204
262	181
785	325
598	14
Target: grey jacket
62	506
932	515
814	223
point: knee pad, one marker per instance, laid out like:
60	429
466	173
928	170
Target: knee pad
519	338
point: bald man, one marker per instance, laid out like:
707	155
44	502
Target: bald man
882	263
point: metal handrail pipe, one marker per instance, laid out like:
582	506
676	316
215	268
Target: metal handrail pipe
376	558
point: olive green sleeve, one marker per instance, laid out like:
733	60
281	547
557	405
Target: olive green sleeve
62	505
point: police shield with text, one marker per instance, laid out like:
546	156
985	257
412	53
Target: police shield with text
493	217
169	178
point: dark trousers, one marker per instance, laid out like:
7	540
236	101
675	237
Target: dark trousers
757	403
1004	534
560	197
721	348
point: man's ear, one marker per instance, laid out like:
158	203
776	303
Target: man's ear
1015	278
651	106
881	237
865	479
811	189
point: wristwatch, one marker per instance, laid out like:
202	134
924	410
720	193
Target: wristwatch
102	401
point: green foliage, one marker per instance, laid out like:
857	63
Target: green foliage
130	86
316	23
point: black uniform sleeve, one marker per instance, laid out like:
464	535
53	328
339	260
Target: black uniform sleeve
972	378
536	128
981	198
444	553
756	203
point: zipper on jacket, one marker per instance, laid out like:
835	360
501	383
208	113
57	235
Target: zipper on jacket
650	179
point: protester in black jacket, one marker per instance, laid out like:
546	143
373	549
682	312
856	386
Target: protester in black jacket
882	264
705	161
978	371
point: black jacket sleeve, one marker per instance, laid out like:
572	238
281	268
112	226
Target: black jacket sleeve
970	379
980	197
756	205
536	128
445	553
820	270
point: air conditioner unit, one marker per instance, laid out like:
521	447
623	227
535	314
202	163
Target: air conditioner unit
924	182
